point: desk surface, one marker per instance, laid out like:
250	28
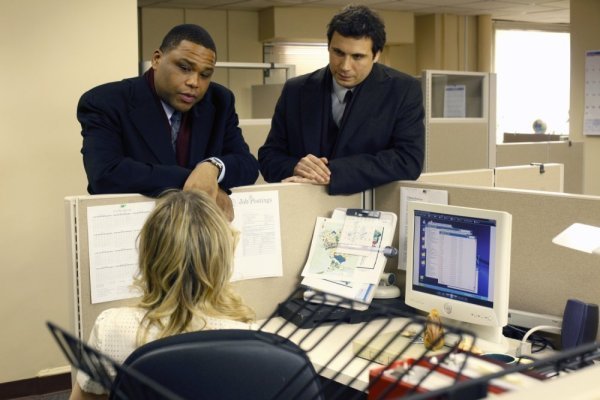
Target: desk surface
330	348
331	352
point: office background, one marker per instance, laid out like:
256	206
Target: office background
53	51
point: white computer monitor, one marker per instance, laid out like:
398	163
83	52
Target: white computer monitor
458	262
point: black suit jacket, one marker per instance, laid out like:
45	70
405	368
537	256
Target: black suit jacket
127	146
382	139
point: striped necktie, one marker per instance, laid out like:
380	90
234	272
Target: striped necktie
175	124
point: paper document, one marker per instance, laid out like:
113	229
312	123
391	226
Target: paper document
414	194
346	253
258	253
455	101
580	237
112	238
591	113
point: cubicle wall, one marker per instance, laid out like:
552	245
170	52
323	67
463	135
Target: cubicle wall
544	177
543	275
568	153
299	205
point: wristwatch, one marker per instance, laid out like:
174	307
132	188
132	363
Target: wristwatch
217	163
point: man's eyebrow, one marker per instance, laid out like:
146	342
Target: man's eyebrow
343	52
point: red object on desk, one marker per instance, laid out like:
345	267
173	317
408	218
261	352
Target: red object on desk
393	381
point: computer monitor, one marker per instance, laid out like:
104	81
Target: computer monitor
458	262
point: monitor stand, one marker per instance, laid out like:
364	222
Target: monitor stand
488	339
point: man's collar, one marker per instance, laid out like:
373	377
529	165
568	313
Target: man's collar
338	90
168	109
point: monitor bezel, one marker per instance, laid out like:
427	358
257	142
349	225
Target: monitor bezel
463	312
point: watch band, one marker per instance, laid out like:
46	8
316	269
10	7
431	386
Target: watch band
217	163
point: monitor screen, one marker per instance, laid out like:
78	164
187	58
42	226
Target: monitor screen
458	262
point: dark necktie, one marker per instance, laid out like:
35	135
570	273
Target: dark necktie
175	124
347	101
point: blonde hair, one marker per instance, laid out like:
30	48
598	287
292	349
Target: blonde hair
186	251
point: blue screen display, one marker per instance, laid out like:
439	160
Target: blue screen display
452	256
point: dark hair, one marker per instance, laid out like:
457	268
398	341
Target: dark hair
190	32
358	22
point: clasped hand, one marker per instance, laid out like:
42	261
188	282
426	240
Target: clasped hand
311	169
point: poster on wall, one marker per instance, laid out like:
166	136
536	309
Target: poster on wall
591	116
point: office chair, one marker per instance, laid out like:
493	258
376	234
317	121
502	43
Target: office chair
101	368
224	364
220	364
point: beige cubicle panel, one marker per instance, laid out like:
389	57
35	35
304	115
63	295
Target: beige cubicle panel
543	275
255	133
568	153
474	177
299	205
457	146
545	177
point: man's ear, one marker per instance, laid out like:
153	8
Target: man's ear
376	58
156	56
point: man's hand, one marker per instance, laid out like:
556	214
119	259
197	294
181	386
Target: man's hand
299	179
225	204
313	168
204	177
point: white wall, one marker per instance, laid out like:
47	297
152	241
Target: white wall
51	52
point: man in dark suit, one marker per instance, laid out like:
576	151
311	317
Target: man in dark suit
171	128
351	142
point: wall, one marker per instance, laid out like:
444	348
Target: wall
447	42
585	36
235	34
51	53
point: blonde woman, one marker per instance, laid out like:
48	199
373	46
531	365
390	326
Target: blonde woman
185	257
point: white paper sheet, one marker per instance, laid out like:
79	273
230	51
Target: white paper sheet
258	253
414	194
359	271
455	101
591	114
346	250
580	237
112	237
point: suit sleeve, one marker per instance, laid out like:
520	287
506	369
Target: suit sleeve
276	162
241	167
402	160
109	168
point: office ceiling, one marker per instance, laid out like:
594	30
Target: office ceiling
539	11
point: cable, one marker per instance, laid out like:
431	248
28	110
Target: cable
520	348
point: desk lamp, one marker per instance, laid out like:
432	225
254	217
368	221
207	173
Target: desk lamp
580	237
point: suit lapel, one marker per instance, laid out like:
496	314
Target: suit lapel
150	121
202	126
365	106
312	105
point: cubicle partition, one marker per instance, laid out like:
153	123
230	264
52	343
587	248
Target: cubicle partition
299	205
543	275
568	153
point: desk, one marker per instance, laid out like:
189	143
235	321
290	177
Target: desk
330	349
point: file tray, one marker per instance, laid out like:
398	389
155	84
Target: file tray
341	372
308	315
337	340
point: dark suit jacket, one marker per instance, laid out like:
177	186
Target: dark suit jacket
127	146
381	141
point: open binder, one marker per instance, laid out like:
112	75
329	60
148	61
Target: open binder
348	253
